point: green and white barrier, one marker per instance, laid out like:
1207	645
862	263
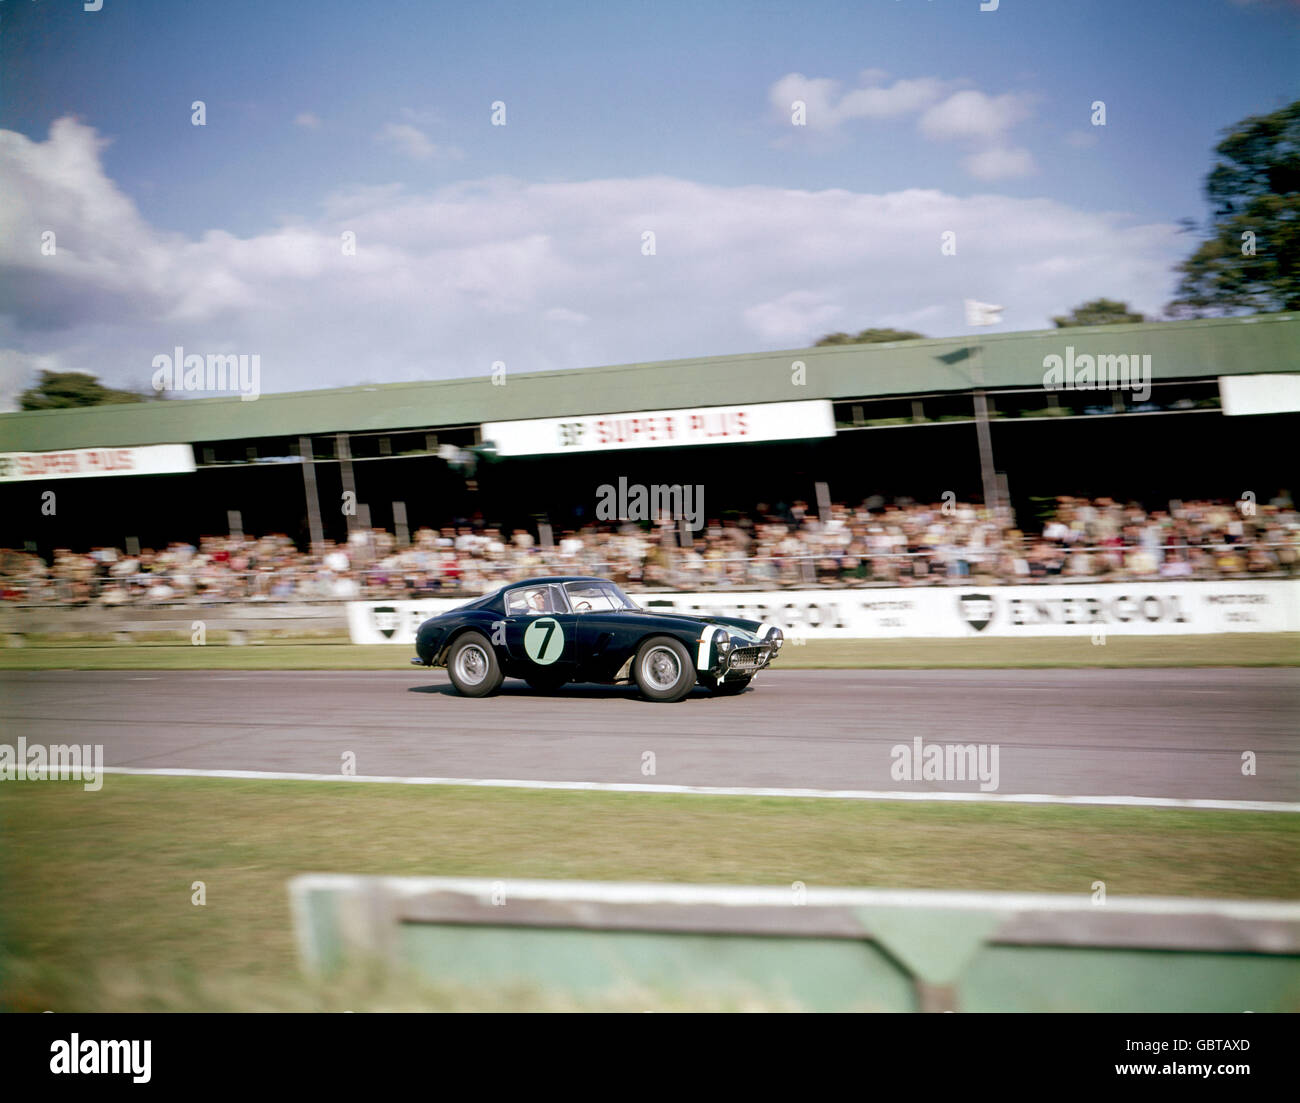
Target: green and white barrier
823	949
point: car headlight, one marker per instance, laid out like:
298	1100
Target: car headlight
776	638
723	642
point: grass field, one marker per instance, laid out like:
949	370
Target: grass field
1233	649
95	888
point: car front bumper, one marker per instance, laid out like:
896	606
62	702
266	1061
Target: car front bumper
745	661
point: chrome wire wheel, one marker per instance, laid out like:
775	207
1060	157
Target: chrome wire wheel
661	668
471	664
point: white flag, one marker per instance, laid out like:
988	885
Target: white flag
982	314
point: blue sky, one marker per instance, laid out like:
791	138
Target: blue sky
923	114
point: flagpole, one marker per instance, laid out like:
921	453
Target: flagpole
985	441
980	314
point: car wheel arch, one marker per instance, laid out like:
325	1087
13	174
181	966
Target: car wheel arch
484	630
688	674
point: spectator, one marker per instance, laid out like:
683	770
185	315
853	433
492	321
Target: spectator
873	544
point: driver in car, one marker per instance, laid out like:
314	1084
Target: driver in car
538	602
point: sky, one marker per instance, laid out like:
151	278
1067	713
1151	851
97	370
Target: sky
349	212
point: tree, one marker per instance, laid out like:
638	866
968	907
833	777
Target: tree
61	390
870	336
1251	258
1099	312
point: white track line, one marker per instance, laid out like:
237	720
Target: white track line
731	790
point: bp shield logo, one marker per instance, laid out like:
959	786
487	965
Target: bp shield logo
544	641
976	610
386	620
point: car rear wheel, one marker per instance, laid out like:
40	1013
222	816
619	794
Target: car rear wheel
663	669
473	666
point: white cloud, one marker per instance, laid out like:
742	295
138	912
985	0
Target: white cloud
448	280
1000	164
788	319
421	116
308	120
944	111
413	142
563	314
975	115
922	318
408	139
18	371
828	108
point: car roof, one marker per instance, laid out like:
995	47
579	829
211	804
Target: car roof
491	596
552	579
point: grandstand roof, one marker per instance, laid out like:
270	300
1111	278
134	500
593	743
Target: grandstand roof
1179	350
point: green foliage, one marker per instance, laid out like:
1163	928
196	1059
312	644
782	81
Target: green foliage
1251	258
62	390
1099	312
871	337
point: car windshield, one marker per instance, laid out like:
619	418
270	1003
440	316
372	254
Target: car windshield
598	597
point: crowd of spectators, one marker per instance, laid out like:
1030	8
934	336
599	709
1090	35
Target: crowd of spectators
904	543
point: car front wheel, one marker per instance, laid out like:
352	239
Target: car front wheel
663	669
473	666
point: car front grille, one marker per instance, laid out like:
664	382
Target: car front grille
747	658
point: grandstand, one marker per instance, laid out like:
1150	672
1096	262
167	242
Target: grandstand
527	450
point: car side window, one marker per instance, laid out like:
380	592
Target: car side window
534	601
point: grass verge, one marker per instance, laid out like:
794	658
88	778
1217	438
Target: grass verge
95	888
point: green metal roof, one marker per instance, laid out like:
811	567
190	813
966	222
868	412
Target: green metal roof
1179	350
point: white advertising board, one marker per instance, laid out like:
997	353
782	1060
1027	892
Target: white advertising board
1259	394
82	463
1140	608
663	428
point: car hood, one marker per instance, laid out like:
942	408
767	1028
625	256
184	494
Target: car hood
749	630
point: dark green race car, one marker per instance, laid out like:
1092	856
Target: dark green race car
552	631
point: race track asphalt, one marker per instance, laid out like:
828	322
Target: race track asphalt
1166	733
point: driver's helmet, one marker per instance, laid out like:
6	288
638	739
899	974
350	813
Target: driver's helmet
539	601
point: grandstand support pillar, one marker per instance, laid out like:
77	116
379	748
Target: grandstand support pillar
306	454
1004	496
349	483
987	473
823	501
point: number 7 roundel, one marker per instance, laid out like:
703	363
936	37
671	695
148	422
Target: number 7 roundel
544	641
